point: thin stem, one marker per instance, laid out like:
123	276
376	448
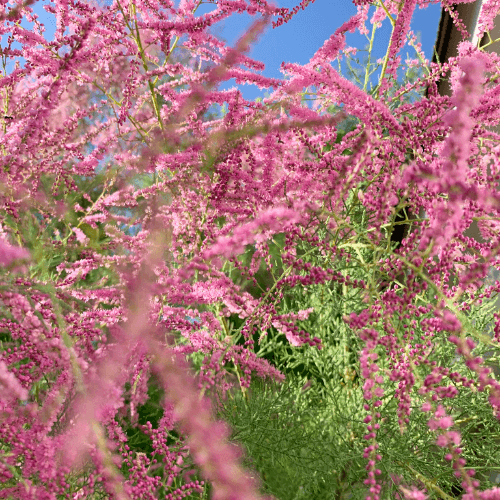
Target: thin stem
386	58
367	74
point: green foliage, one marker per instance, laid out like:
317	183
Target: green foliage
288	443
307	442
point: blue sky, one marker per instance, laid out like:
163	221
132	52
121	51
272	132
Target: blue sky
305	33
298	40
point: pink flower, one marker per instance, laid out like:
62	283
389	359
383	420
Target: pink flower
80	236
413	494
446	422
10	387
426	406
9	253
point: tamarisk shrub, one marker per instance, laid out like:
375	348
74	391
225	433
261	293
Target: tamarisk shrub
135	222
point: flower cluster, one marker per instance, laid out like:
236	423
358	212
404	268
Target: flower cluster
158	256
